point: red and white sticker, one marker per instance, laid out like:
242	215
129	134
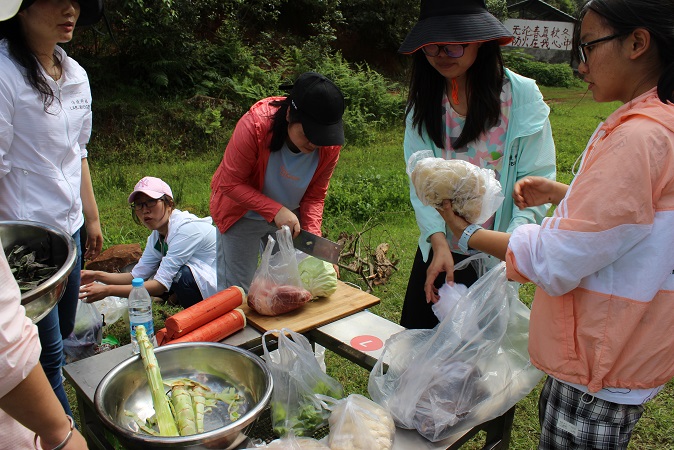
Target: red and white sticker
366	343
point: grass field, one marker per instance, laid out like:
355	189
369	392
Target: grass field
377	171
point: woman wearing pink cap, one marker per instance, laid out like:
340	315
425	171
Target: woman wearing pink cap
179	256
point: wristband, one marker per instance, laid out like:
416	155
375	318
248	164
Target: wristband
465	236
63	442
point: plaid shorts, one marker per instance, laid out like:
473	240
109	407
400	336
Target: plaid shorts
571	419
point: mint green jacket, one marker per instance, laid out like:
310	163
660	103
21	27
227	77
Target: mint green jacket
529	150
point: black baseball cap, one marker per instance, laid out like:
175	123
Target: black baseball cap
320	106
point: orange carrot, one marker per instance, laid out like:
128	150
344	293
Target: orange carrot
161	337
216	330
205	311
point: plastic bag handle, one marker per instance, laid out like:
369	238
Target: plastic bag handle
478	256
264	341
294	341
326	401
266	255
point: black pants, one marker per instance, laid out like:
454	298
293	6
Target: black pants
186	288
418	314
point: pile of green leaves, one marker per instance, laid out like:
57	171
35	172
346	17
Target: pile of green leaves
309	417
29	267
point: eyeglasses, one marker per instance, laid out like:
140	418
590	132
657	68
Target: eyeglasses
137	206
451	50
583	45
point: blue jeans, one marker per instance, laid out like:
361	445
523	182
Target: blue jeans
185	287
56	326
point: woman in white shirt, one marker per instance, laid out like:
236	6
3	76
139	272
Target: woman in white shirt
45	125
179	255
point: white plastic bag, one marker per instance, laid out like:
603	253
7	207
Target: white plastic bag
358	423
475	192
291	442
471	368
449	294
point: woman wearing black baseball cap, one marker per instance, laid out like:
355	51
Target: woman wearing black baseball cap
275	172
463	104
45	125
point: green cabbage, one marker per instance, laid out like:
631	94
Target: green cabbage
319	277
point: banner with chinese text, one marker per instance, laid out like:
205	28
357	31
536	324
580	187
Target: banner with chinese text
541	34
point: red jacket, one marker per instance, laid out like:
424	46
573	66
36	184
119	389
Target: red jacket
236	187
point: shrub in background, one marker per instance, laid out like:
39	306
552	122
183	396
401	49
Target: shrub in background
367	194
556	75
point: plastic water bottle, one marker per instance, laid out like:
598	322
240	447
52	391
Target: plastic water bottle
140	312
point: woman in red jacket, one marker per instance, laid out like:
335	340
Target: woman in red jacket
275	171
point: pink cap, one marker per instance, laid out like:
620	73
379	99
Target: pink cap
152	187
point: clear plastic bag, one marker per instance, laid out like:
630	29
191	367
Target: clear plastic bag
475	192
276	287
471	368
451	294
86	335
298	382
358	423
113	308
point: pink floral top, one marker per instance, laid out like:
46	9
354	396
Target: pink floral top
486	152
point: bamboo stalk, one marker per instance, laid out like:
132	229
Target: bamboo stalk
184	410
165	420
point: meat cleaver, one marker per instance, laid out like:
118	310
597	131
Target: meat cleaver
317	246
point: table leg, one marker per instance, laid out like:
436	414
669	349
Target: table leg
91	427
498	431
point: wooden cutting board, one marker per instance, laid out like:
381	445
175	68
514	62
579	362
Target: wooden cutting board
345	301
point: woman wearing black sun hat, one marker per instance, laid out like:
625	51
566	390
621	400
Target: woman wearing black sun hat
463	104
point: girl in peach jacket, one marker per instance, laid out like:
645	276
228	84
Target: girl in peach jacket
603	311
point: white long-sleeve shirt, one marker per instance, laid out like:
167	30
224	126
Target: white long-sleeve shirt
41	152
191	242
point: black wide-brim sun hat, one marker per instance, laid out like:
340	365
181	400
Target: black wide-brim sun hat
442	21
91	11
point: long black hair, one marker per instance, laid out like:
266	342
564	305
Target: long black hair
484	84
19	50
279	128
624	16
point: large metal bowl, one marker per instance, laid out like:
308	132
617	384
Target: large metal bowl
216	365
62	250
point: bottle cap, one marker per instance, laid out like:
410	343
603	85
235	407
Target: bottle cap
137	282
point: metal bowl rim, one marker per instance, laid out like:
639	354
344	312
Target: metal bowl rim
62	273
250	416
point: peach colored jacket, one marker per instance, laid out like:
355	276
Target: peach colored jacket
236	187
603	312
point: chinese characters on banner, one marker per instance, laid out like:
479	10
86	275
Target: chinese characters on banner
540	34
